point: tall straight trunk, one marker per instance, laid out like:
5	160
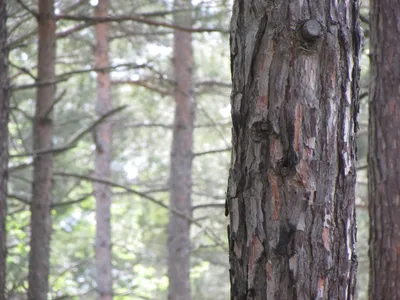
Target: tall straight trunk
103	160
181	159
41	222
291	186
384	147
4	104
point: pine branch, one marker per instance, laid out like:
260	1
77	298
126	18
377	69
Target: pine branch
136	18
73	140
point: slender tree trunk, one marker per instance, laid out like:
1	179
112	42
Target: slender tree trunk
384	146
41	222
4	104
292	178
181	159
103	160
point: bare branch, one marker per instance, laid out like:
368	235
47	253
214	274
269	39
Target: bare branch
209	232
211	152
65	76
136	18
72	141
79	200
26	7
145	84
65	33
23	70
208	205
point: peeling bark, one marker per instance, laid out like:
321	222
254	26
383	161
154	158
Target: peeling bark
103	159
4	105
41	221
295	70
181	159
384	145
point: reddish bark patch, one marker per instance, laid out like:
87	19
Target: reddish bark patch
262	102
297	127
325	238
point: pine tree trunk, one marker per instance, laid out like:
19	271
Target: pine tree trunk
291	195
41	221
384	145
181	159
4	104
103	160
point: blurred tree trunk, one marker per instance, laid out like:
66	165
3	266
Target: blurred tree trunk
181	158
41	221
4	104
103	159
384	150
291	195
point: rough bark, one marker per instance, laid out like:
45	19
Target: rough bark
4	104
181	159
292	178
103	159
41	221
384	145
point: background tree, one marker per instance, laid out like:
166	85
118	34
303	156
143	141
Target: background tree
4	104
41	219
180	180
103	142
291	195
383	158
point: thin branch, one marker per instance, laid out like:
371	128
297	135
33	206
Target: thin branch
364	19
18	42
79	200
19	198
210	83
65	76
23	69
72	141
65	33
211	152
26	7
145	84
210	233
208	205
74	6
58	99
19	167
136	18
362	167
37	84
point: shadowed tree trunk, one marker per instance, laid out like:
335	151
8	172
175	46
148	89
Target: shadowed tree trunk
181	159
103	160
291	186
4	104
41	222
384	146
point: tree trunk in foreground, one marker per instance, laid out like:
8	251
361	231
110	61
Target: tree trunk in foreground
4	104
384	145
181	159
291	187
41	222
103	160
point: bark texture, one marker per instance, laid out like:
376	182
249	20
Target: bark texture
384	145
4	104
41	221
103	159
181	159
291	185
